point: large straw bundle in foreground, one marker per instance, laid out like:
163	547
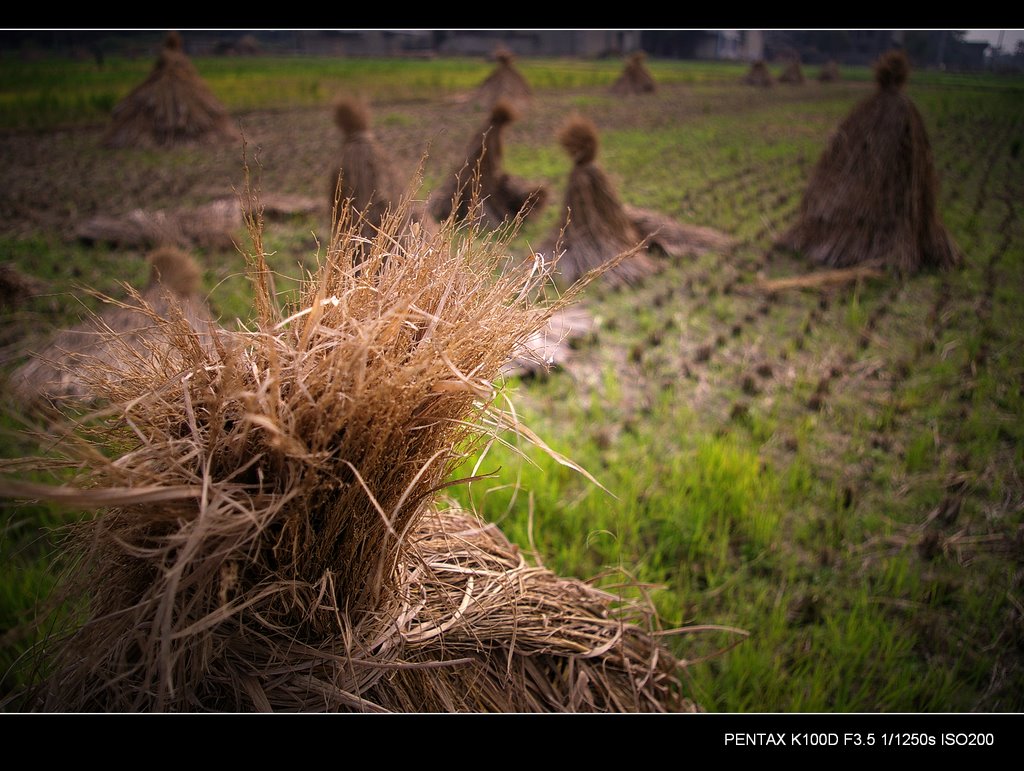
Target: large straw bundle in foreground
483	177
759	75
269	535
635	77
792	73
79	360
505	83
172	106
873	195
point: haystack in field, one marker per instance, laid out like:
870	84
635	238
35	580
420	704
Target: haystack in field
268	533
635	77
172	106
596	226
792	73
125	336
213	225
873	195
829	72
365	175
366	184
505	83
483	177
759	75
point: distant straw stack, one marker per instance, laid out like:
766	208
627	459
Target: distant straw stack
173	106
482	179
759	75
635	77
873	196
829	72
596	225
505	83
365	177
792	73
79	361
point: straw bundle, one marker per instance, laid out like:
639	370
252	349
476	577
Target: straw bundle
759	75
505	83
829	72
635	77
80	361
270	537
172	106
873	195
365	176
482	176
792	73
596	226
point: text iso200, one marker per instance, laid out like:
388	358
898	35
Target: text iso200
967	740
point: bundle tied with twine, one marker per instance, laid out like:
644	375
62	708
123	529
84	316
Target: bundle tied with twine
505	82
173	106
482	177
143	330
873	195
268	534
635	77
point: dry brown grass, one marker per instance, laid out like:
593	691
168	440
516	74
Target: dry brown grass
268	533
172	106
872	196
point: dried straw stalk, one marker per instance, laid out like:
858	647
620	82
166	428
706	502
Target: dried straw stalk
268	533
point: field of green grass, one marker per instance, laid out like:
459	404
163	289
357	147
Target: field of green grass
838	473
